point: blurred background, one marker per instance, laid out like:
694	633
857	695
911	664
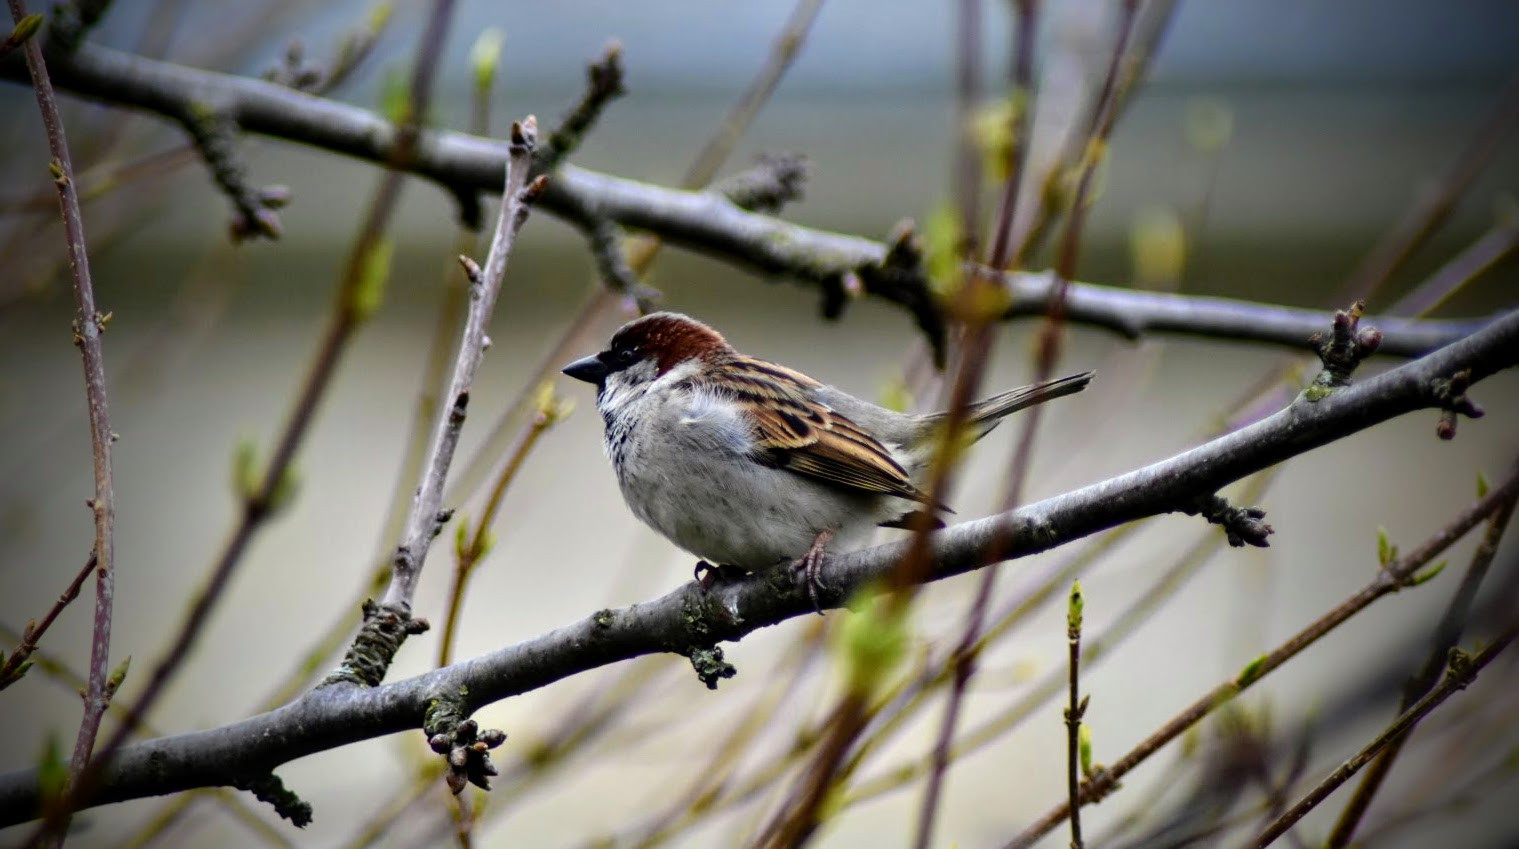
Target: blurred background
1275	141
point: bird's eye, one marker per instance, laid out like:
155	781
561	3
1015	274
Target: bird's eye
622	357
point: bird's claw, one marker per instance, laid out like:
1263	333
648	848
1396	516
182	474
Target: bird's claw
810	566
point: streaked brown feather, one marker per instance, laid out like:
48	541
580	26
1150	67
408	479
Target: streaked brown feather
798	434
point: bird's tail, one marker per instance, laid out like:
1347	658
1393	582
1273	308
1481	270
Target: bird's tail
984	415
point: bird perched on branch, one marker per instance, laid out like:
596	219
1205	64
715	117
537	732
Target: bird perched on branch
748	464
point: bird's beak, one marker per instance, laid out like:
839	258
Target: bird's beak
589	369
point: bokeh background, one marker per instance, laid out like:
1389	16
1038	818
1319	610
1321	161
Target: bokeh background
1283	138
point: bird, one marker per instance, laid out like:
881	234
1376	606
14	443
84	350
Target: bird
749	464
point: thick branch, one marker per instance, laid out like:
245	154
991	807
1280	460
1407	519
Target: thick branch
699	220
331	717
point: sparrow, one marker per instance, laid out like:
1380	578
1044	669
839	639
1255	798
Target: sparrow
748	464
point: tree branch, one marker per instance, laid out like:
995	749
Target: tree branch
331	717
697	220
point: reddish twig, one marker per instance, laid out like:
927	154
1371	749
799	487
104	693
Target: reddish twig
89	323
1103	120
11	671
1435	206
1462	669
1447	633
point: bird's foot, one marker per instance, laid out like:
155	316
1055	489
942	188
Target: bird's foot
709	576
810	566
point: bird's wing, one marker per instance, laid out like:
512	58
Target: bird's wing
797	433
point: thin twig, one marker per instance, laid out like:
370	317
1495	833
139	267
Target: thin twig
1075	707
783	51
423	522
89	324
1389	579
467	554
1463	668
374	647
1050	337
1446	635
976	352
11	671
329	718
1493	247
1431	210
1095	650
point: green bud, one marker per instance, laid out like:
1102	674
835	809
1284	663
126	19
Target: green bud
52	774
374	273
118	675
1428	574
1074	610
873	641
25	29
943	239
245	482
461	537
1084	748
1251	672
485	57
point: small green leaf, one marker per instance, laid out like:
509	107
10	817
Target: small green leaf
461	537
487	542
896	395
1074	610
549	406
25	29
1158	247
1251	672
395	96
943	243
118	675
379	16
485	57
245	478
285	488
1209	124
1428	574
52	774
1384	547
1084	748
873	642
374	272
1482	485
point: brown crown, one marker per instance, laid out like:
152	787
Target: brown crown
670	337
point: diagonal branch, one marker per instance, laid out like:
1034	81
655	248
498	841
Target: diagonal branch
698	220
331	717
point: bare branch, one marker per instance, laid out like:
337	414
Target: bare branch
698	220
330	717
387	624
